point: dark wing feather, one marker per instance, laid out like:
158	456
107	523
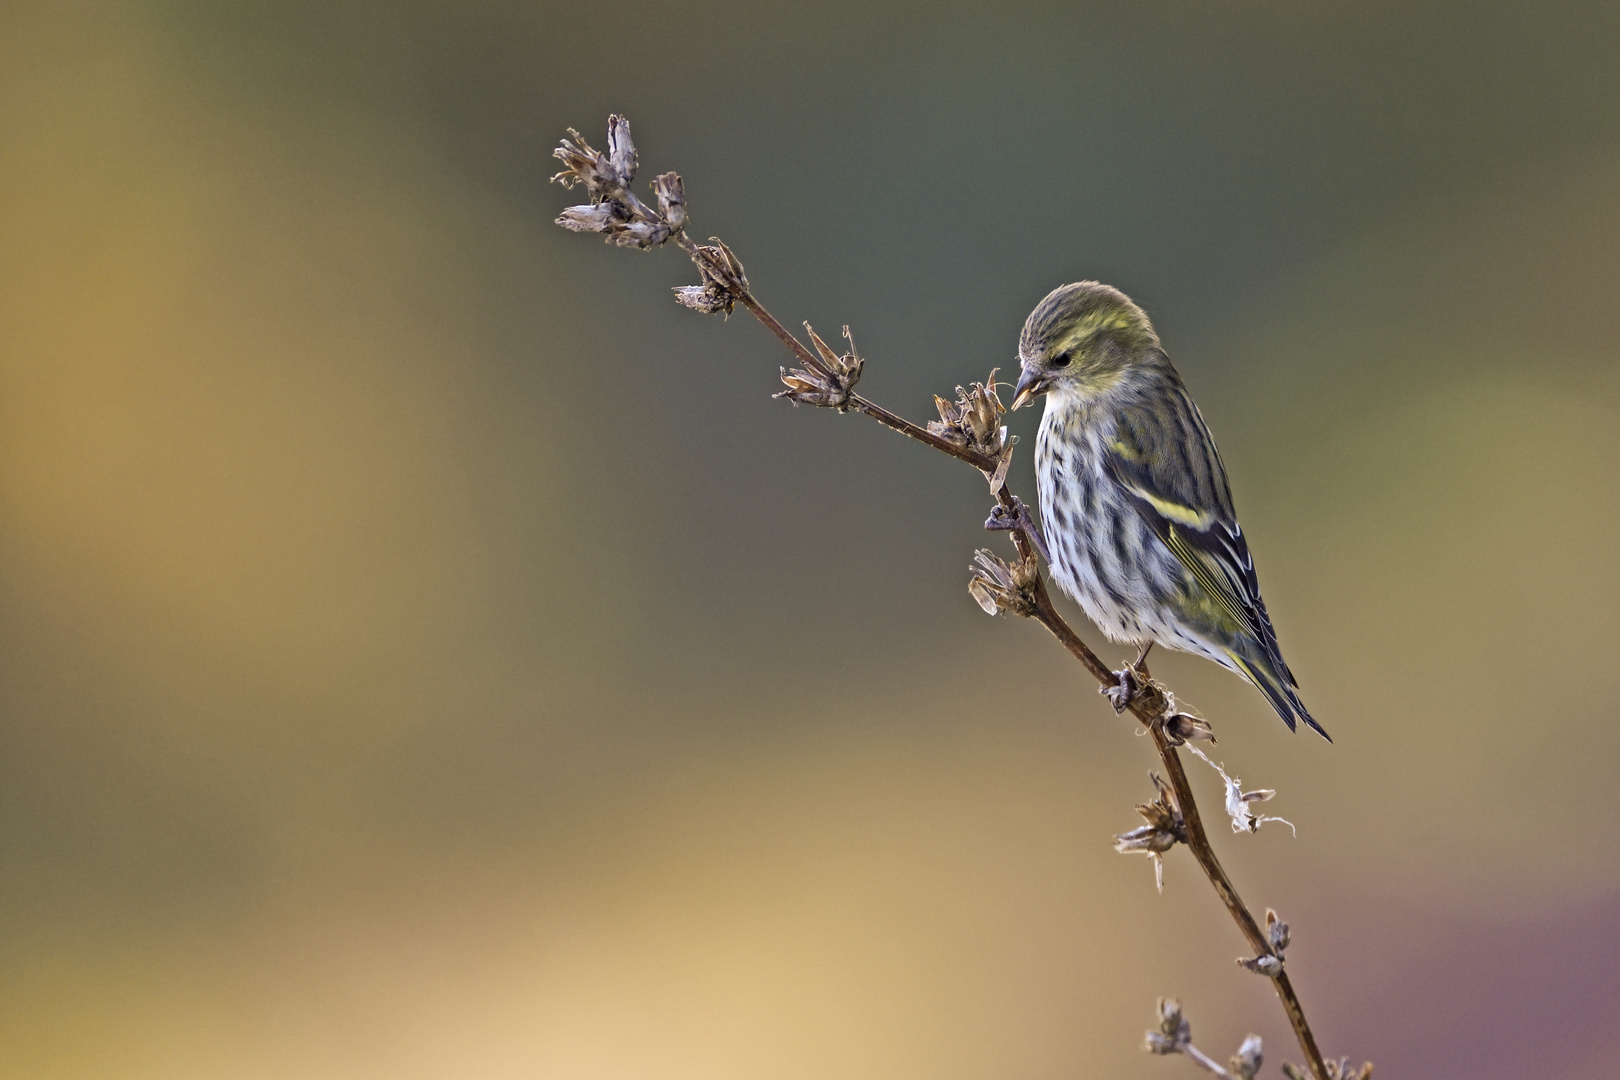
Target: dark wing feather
1170	471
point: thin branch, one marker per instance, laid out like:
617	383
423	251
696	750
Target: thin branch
627	221
1206	1062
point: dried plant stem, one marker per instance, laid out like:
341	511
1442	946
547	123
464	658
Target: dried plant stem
1198	841
827	380
1144	710
860	404
1147	710
1205	1062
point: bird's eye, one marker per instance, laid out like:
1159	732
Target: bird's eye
1061	360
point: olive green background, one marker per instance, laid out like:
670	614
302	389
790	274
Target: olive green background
427	651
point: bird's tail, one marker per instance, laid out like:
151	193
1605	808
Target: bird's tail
1273	679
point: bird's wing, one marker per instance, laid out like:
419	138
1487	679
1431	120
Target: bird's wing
1171	473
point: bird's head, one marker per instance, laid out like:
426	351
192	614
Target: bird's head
1082	338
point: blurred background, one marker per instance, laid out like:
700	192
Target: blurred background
428	651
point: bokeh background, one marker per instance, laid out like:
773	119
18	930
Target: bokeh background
427	651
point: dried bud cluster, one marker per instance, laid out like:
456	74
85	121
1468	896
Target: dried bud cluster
830	388
1001	588
623	219
724	283
1174	1034
1270	964
973	420
613	211
1164	829
1336	1070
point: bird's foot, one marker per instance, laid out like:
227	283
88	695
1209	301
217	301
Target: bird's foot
1133	680
1134	684
1018	519
1124	692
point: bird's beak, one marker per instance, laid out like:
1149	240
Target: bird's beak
1030	387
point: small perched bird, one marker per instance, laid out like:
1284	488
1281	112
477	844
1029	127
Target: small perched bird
1138	515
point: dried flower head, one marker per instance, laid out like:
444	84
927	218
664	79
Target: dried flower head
1270	965
1174	1032
724	283
604	175
1246	1062
613	210
1001	588
596	217
703	299
829	386
1181	727
1163	830
973	420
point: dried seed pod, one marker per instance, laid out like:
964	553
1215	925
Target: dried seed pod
1247	1061
1002	588
1276	933
602	174
1268	965
621	151
1183	727
1164	829
830	387
671	195
724	283
973	420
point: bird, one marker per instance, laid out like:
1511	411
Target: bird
1134	502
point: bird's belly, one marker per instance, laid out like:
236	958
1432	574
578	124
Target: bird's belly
1107	558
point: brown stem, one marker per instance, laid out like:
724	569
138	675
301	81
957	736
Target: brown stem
1204	852
719	267
1193	822
1147	711
1197	839
804	355
921	434
856	401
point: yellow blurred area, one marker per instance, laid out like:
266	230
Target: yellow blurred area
257	434
423	654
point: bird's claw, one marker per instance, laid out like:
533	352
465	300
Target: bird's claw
1018	519
1121	694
